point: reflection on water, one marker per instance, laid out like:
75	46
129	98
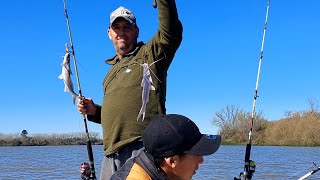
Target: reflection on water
63	162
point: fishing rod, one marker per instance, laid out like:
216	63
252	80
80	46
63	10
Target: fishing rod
249	165
92	174
317	168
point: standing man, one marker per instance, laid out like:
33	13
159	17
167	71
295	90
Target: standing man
124	97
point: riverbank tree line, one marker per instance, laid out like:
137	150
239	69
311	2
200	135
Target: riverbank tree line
299	128
53	139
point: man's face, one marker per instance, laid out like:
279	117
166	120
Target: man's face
123	35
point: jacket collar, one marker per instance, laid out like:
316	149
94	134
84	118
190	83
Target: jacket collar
146	161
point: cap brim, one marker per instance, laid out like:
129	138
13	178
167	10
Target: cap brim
208	144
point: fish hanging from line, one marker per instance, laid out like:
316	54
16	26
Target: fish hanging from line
66	75
147	86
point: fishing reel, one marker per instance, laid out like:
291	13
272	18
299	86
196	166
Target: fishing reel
85	171
248	173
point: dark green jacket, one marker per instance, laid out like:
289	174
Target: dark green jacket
122	85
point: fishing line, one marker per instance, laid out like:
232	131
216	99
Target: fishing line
89	146
249	165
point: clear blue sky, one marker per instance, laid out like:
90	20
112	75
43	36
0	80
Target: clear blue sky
216	64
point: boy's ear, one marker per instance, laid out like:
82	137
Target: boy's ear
172	161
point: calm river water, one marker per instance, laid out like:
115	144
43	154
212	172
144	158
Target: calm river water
63	162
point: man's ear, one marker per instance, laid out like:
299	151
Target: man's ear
109	33
137	32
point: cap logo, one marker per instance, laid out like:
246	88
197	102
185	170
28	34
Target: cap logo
211	137
122	12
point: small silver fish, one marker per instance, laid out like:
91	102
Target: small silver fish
65	75
146	84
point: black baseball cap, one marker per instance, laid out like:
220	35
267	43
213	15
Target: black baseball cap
173	134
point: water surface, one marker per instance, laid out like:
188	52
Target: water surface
63	162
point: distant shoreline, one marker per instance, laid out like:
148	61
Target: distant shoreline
49	139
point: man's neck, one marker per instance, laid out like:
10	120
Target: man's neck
122	54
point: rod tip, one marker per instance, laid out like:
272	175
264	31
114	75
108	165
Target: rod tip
155	4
